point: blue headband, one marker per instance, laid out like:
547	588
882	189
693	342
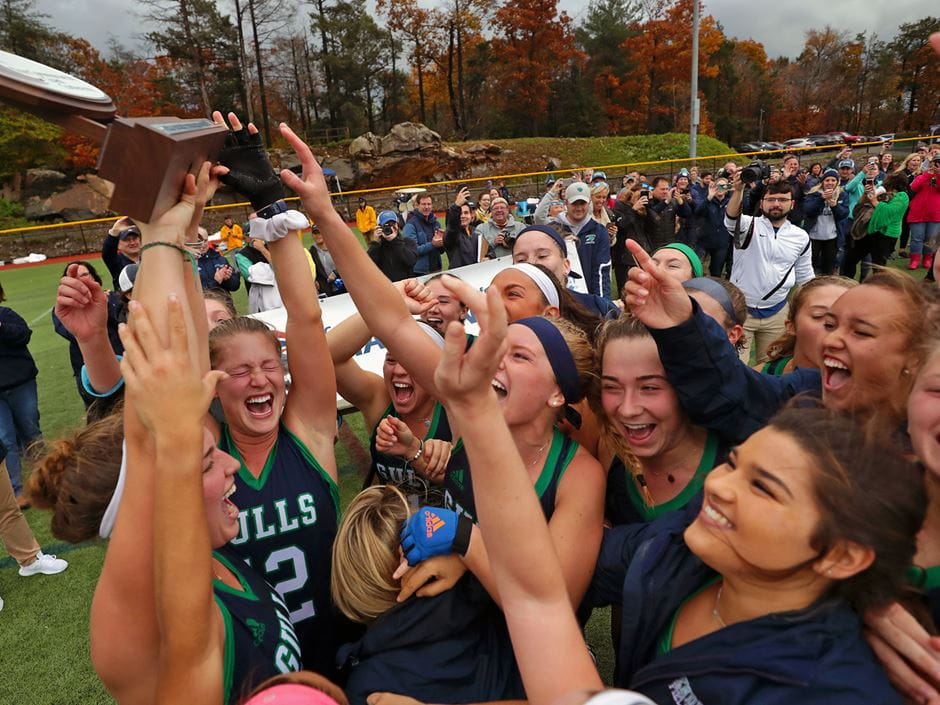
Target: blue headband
714	290
558	354
546	230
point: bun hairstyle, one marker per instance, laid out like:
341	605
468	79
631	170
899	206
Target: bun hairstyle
365	553
77	476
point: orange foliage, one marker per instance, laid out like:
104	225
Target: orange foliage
654	96
534	43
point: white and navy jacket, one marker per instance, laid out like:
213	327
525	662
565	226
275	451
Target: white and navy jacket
768	263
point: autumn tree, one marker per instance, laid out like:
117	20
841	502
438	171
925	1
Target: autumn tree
655	92
607	26
740	97
23	30
534	46
198	38
918	97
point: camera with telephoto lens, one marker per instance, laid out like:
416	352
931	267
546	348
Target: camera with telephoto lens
755	172
509	238
387	228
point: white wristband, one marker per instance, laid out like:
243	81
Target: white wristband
278	226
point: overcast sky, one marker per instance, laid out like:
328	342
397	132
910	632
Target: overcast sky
780	26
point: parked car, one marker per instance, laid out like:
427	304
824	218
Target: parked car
845	137
871	139
748	147
777	148
801	143
823	142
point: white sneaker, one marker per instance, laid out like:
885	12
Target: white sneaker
46	564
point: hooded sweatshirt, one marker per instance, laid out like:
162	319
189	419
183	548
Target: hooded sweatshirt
593	245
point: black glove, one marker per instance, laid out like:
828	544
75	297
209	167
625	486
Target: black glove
250	172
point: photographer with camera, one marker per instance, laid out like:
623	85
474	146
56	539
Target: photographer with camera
500	230
796	178
215	272
461	241
772	255
394	255
425	231
660	208
714	240
924	215
888	203
591	237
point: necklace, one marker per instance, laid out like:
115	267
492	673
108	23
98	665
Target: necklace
669	476
538	454
715	613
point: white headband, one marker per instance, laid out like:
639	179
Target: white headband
542	281
432	334
110	514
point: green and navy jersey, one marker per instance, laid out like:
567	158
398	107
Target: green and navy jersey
394	470
287	522
624	502
776	367
259	638
458	485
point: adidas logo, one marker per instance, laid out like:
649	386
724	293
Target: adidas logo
257	630
457	477
432	522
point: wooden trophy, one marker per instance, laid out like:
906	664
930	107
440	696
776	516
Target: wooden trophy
147	159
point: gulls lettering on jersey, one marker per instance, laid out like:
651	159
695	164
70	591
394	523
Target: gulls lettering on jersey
288	515
287	653
681	692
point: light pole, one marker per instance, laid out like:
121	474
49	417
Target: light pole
694	107
760	126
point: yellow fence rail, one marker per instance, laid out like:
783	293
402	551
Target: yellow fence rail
600	167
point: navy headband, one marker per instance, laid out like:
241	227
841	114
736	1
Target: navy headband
558	354
546	230
714	290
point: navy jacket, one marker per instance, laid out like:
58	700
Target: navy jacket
452	648
114	260
712	233
815	656
593	245
211	261
601	305
715	388
420	230
814	205
16	364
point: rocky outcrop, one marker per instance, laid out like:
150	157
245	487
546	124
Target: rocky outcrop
412	153
47	195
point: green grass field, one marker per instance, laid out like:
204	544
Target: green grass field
44	624
44	654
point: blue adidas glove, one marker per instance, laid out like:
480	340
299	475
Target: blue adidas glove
432	531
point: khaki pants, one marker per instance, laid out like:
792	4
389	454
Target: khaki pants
761	332
14	531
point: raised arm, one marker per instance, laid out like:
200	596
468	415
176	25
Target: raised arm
547	641
374	295
311	406
124	602
171	397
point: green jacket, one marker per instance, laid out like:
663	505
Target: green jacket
888	216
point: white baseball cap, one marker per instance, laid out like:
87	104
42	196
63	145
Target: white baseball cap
578	191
